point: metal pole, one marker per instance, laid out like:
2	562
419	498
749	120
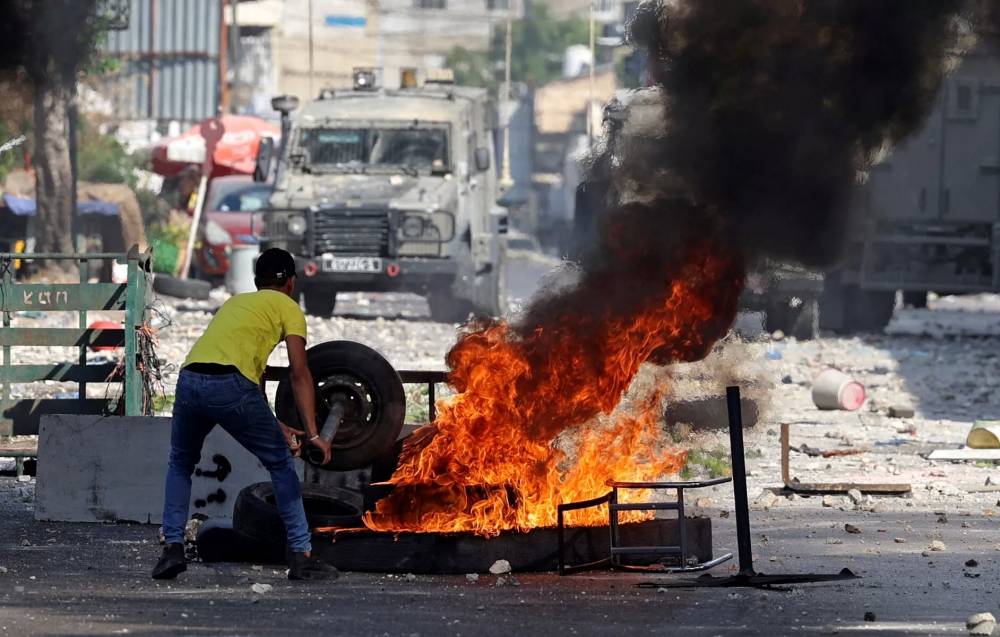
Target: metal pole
739	481
311	94
506	181
234	47
593	63
381	43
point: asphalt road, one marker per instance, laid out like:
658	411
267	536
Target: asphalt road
91	579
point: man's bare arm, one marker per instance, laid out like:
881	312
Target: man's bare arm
302	383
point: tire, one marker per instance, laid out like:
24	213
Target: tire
319	302
182	288
494	301
867	310
916	300
360	376
446	308
802	322
255	514
218	541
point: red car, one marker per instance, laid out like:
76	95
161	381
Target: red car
230	203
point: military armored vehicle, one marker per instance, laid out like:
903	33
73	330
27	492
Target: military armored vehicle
391	190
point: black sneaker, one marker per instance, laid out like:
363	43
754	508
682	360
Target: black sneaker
309	567
172	563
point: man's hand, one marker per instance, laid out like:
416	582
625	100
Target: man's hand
323	446
292	437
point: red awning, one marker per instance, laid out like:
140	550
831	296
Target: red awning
232	141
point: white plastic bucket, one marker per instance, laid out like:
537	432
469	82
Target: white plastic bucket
239	276
833	389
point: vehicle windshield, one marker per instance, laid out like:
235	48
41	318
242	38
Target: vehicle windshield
239	197
407	149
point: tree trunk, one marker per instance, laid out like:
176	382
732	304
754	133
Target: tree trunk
53	171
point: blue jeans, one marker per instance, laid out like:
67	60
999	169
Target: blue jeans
237	404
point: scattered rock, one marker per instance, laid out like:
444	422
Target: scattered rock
3	570
899	540
971	563
786	379
855	496
500	567
24	478
901	411
704	503
869	616
256	567
410	577
832	501
942	519
766	500
850	528
261	589
937	545
472	577
981	624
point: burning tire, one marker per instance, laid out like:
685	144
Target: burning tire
256	517
359	377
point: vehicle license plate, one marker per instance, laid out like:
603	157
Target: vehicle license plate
351	264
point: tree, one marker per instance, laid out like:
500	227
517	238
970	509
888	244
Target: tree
539	43
53	41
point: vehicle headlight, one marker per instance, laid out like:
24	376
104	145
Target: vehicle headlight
297	225
412	227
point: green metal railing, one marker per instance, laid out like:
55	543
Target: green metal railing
21	417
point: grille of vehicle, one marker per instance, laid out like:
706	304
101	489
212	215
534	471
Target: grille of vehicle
351	232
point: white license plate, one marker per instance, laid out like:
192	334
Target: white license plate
351	264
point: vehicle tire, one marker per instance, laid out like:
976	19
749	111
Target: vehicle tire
802	321
493	303
446	308
319	302
867	310
255	513
916	300
181	288
376	404
218	541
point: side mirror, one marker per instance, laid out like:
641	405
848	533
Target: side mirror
482	159
265	151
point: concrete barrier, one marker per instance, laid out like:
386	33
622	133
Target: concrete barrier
108	469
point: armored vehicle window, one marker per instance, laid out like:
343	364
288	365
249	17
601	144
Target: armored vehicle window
410	148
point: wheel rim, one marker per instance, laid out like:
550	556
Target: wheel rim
363	407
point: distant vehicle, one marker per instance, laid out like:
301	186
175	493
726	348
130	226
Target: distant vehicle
384	190
230	204
929	215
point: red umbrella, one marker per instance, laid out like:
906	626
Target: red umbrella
232	141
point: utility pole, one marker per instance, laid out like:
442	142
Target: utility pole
310	17
234	47
506	181
593	63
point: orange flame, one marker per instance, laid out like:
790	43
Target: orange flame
495	459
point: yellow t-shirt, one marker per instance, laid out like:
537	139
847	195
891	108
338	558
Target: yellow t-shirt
246	330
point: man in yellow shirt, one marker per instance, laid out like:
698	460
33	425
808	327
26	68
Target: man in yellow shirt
220	384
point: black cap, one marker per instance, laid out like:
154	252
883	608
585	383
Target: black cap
275	264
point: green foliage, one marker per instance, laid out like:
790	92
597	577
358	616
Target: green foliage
538	44
9	160
101	159
715	462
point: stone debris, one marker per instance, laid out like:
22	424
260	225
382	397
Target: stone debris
971	563
472	578
410	577
500	567
766	500
901	411
3	570
981	624
899	540
832	501
937	545
856	497
261	589
850	528
869	616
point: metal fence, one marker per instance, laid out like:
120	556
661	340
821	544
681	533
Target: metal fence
168	61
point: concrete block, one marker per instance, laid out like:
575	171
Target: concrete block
101	469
